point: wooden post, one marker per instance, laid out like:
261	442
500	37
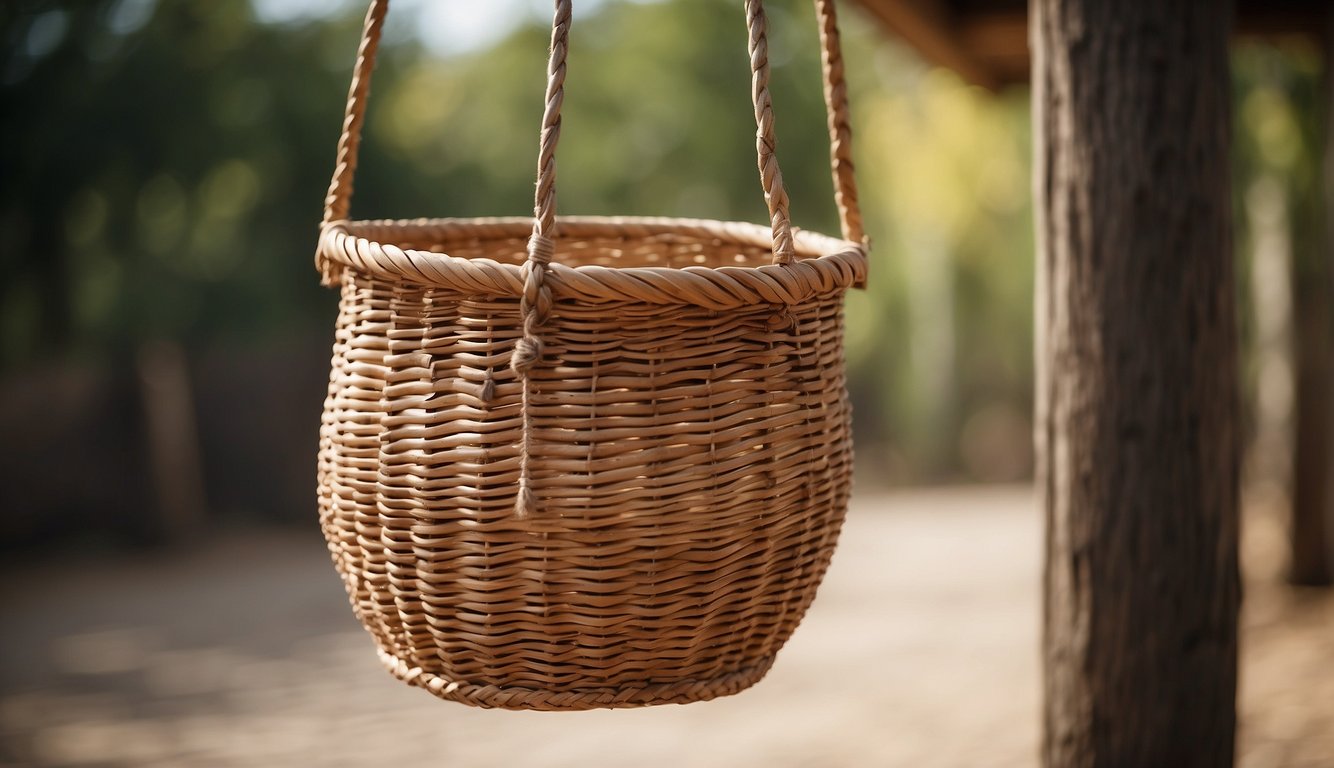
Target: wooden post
1313	290
1137	381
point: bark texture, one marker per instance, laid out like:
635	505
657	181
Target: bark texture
1137	381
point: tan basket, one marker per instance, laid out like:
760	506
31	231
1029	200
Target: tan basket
612	480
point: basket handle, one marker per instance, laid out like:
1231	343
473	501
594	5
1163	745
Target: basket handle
541	245
337	202
840	123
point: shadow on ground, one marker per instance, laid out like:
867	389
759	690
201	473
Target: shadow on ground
921	650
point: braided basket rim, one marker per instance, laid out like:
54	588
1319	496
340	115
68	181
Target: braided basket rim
515	697
824	265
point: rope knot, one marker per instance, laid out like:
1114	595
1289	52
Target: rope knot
535	307
527	353
541	249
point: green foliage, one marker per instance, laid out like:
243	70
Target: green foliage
161	173
162	165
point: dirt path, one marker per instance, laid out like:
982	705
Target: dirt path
921	651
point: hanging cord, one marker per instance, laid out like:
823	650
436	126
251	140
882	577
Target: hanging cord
338	201
840	128
535	303
775	195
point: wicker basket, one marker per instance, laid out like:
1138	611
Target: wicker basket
611	479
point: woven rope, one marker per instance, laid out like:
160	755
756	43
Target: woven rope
338	201
584	462
535	303
840	123
775	195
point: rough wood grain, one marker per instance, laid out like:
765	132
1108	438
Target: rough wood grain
1137	382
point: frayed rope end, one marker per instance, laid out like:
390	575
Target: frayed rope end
525	502
527	351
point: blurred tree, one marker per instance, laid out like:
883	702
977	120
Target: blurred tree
161	169
1282	119
658	121
162	166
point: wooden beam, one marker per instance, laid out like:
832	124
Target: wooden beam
986	41
999	40
996	36
1281	18
928	27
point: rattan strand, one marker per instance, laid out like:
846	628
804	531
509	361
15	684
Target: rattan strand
683	432
392	250
840	123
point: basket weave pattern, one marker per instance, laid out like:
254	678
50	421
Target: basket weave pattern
638	513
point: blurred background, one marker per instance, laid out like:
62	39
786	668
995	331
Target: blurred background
164	344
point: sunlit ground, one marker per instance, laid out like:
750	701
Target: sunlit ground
922	650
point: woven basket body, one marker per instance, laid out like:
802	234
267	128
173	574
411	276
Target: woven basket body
642	513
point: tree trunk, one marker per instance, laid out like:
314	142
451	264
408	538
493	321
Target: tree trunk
1313	290
1137	381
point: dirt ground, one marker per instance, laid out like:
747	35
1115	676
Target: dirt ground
922	650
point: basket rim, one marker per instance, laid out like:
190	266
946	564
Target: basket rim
825	265
621	697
